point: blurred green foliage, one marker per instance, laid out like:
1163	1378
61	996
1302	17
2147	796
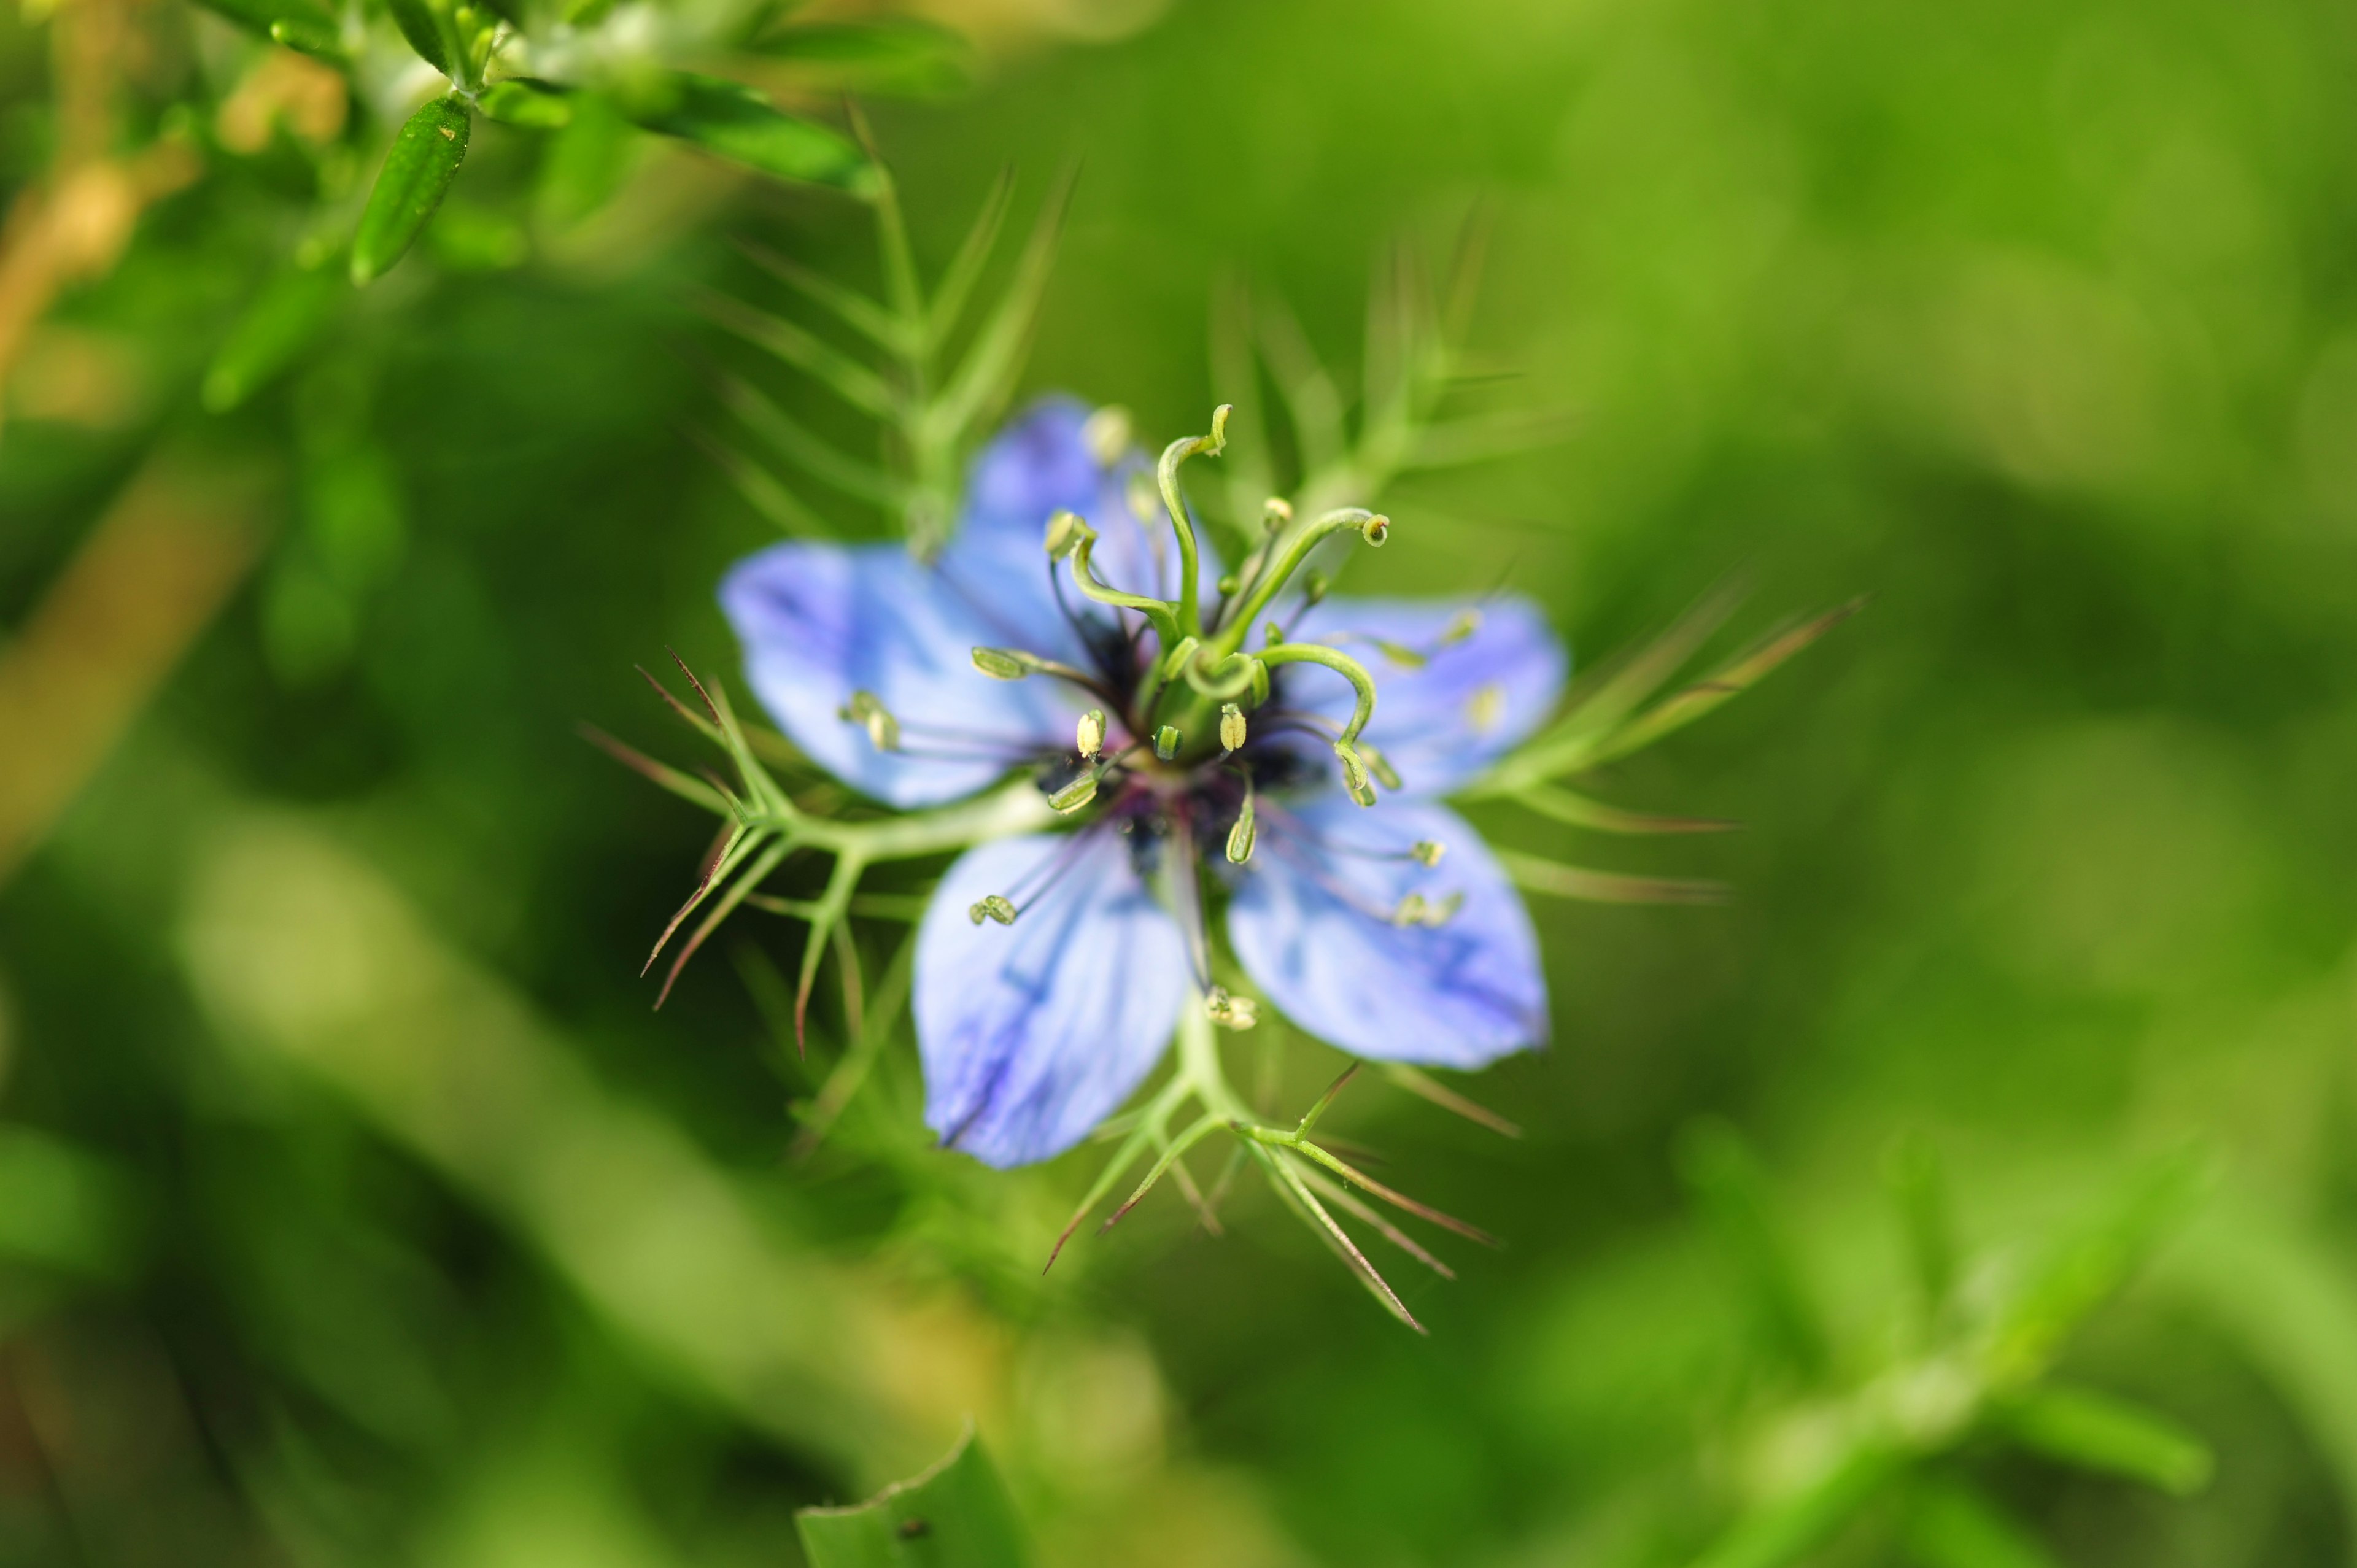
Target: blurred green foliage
360	1210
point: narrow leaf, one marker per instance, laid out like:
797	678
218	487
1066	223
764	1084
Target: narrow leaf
851	381
1423	1084
1956	1526
853	308
762	491
1579	811
260	16
1726	1182
424	30
1715	689
798	443
986	379
904	55
1542	876
2096	1431
737	122
276	328
1303	1202
965	271
426	157
955	1515
522	101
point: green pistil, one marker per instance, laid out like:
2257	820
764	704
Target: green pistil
1165	475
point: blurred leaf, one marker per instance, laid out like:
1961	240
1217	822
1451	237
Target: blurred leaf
424	159
60	1207
737	123
2084	1271
1956	1527
1785	1531
1726	1181
519	100
317	38
2096	1431
467	238
423	26
276	329
260	16
585	162
902	55
1919	1187
955	1515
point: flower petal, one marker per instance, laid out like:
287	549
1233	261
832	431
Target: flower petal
1037	465
1309	923
1470	702
821	621
1032	1034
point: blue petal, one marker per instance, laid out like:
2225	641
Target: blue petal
1032	1034
1470	703
1037	467
820	621
1309	923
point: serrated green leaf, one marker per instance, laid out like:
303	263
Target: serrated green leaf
737	123
418	172
521	101
424	30
2096	1431
955	1515
276	328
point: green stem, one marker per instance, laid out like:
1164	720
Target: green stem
1166	473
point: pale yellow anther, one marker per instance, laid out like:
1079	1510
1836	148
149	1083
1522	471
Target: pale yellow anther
1076	794
1065	531
1467	623
993	908
1231	1011
1089	739
1427	852
1105	433
1231	727
1485	707
1275	512
868	712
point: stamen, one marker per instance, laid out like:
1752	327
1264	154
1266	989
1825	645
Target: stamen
1275	514
1410	911
1105	433
1231	1011
1467	623
1427	852
1272	634
999	664
1166	741
1245	834
1089	739
994	908
1380	766
1485	707
1314	585
1231	727
866	710
1076	794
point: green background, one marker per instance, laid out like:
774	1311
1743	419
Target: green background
389	1224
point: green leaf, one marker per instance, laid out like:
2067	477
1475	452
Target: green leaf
1725	1178
426	157
310	35
519	100
2096	1431
260	16
60	1209
955	1515
900	56
276	329
1793	1526
737	123
1956	1527
424	30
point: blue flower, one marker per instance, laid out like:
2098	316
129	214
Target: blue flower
1391	933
